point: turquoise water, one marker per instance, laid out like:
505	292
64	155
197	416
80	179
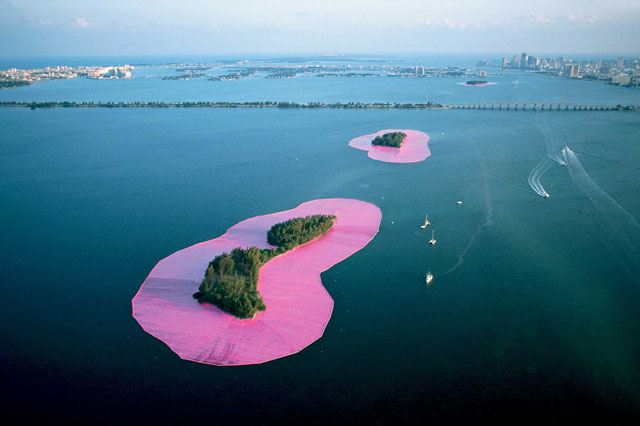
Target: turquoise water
147	86
533	312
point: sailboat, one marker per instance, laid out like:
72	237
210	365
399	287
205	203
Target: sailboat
432	241
426	222
429	277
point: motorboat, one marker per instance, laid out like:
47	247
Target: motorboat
432	241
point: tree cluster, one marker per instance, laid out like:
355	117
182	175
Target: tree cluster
231	279
393	139
298	231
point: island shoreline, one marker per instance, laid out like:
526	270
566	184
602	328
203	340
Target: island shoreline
207	335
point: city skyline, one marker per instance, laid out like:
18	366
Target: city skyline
79	28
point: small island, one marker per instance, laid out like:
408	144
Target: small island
393	139
187	76
231	279
384	145
476	82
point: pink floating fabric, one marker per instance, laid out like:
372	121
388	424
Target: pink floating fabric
298	306
477	85
415	147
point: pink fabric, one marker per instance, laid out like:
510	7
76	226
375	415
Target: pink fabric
477	85
415	147
298	306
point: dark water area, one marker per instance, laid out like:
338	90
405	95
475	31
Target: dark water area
532	315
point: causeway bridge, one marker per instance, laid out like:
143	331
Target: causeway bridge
535	106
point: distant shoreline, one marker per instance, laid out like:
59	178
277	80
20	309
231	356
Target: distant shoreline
528	106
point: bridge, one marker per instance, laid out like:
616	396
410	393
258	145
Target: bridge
535	106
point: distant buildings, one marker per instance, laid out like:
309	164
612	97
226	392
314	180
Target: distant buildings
620	72
110	72
622	80
65	72
571	70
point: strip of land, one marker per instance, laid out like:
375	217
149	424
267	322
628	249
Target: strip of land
531	106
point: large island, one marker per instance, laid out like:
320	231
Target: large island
231	280
298	306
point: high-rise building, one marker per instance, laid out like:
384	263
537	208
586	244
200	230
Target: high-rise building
516	61
571	70
524	58
620	63
505	62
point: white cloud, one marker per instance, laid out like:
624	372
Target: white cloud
80	23
541	19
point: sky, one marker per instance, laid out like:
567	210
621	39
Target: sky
216	27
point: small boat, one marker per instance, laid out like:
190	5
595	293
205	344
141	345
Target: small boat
426	222
429	277
459	203
546	195
564	164
432	241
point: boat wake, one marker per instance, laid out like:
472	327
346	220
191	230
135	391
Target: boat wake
549	138
487	222
496	165
623	227
552	156
536	174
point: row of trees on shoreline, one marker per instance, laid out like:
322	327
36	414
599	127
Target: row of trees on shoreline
265	104
296	105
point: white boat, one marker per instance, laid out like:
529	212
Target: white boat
426	222
432	241
459	203
429	277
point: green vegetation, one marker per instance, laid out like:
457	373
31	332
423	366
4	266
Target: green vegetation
393	139
292	233
283	105
476	82
231	280
6	84
266	104
187	76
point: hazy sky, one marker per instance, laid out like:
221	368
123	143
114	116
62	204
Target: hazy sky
152	27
